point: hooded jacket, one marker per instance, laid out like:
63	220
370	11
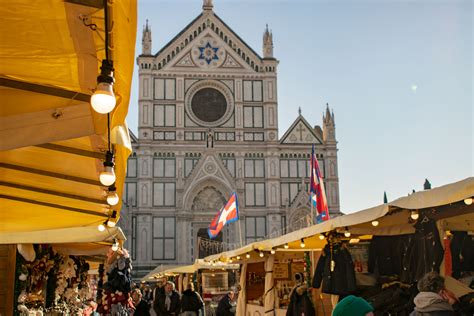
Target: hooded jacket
342	280
431	304
300	303
191	301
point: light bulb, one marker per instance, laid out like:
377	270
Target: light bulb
286	246
101	227
347	233
230	260
302	244
103	100
375	223
115	246
321	236
238	257
261	254
247	256
112	198
111	223
272	251
468	201
414	215
107	177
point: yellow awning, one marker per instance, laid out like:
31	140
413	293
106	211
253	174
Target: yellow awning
52	143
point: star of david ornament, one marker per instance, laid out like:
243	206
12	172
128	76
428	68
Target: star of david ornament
208	53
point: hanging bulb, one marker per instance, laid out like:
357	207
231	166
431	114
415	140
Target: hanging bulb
115	245
112	197
375	223
101	227
261	254
103	100
247	256
414	215
321	236
468	201
107	177
347	233
272	251
286	246
302	244
238	257
111	223
230	260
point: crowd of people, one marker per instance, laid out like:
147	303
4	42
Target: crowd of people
165	300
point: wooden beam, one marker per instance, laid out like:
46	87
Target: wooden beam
52	205
48	90
99	4
50	174
54	193
74	151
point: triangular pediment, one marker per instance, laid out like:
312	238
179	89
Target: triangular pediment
207	43
209	169
300	132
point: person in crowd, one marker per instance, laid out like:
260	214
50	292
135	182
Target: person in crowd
434	299
191	301
141	307
226	306
353	306
300	302
167	301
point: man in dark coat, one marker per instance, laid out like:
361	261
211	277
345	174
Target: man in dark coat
191	301
434	299
300	302
167	302
225	307
141	306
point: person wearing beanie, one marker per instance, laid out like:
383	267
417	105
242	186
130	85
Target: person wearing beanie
353	306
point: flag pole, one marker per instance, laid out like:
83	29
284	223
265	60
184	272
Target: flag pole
240	233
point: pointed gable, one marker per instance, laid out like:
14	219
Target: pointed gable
301	132
207	42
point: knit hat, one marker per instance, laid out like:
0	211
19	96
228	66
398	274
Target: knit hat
352	306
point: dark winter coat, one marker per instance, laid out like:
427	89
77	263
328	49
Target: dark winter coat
142	309
225	307
385	255
342	280
191	301
160	307
422	252
300	303
431	304
462	251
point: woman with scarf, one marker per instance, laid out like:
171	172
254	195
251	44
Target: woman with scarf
167	302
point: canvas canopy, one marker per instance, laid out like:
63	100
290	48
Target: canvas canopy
199	264
392	218
52	143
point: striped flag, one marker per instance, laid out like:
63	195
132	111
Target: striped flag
317	191
228	213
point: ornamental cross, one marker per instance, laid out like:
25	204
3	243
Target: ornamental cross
300	129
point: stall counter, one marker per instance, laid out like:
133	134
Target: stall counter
257	310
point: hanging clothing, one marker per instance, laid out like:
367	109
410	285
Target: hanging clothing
385	255
462	251
335	270
422	251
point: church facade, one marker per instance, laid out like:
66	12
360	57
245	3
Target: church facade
208	127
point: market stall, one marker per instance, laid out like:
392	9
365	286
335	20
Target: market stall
56	148
354	246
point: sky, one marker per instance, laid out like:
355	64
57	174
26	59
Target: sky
397	74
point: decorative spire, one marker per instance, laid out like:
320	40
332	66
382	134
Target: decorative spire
385	200
267	43
207	5
146	39
427	185
299	111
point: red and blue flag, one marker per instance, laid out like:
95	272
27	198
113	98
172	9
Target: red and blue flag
317	191
228	213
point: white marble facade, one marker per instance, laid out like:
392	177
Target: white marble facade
208	126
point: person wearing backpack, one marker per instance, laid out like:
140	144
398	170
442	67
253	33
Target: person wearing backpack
191	301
